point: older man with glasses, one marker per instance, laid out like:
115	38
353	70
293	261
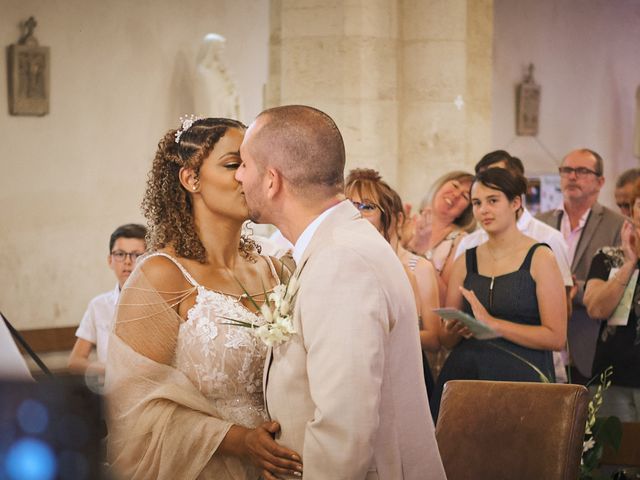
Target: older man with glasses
586	226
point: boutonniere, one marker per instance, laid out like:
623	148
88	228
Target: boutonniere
276	326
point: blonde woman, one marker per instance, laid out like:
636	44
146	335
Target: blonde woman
445	217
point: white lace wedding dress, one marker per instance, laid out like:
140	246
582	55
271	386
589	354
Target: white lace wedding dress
225	362
214	381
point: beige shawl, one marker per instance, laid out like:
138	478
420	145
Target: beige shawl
160	424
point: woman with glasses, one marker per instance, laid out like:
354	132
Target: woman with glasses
184	383
126	244
509	283
381	205
612	294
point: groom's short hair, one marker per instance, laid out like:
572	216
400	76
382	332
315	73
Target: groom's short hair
305	146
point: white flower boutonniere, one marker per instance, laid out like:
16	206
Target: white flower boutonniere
277	313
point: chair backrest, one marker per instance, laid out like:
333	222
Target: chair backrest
629	453
506	430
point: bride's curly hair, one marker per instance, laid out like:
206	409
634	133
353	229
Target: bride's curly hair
167	205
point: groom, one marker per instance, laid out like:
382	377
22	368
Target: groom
347	388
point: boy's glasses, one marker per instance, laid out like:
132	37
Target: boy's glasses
120	256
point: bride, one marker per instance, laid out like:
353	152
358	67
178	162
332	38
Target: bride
184	386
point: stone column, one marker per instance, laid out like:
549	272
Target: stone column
389	72
445	109
340	56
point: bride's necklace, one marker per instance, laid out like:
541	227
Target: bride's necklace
257	297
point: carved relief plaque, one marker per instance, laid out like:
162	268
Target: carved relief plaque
28	66
528	106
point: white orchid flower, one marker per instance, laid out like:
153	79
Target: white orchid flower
588	445
284	307
266	313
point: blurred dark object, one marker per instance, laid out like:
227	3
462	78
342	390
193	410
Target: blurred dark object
627	474
51	429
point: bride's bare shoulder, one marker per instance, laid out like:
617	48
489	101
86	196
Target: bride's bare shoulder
163	273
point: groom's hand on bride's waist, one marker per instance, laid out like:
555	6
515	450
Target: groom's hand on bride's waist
265	452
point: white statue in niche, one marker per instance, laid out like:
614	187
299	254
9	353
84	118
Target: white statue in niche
215	92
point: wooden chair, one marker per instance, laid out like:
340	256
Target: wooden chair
506	430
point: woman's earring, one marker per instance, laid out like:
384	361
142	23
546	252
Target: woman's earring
248	246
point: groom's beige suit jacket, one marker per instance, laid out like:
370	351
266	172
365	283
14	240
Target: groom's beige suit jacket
347	388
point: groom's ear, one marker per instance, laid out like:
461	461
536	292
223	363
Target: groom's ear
274	182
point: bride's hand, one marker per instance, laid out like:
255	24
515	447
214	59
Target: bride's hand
268	455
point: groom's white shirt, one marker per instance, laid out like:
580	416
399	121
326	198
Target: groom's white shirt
303	240
347	388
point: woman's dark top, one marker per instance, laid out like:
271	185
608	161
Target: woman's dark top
512	297
619	346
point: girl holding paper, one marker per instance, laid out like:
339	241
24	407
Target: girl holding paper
612	293
512	285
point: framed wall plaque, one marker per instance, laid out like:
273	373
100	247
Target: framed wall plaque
28	74
528	106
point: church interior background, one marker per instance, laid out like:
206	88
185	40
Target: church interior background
417	88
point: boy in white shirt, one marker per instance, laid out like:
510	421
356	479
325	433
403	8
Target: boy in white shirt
126	244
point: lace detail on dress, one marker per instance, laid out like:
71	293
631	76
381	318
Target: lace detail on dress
224	362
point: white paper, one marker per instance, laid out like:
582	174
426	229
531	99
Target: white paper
12	363
480	330
620	316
